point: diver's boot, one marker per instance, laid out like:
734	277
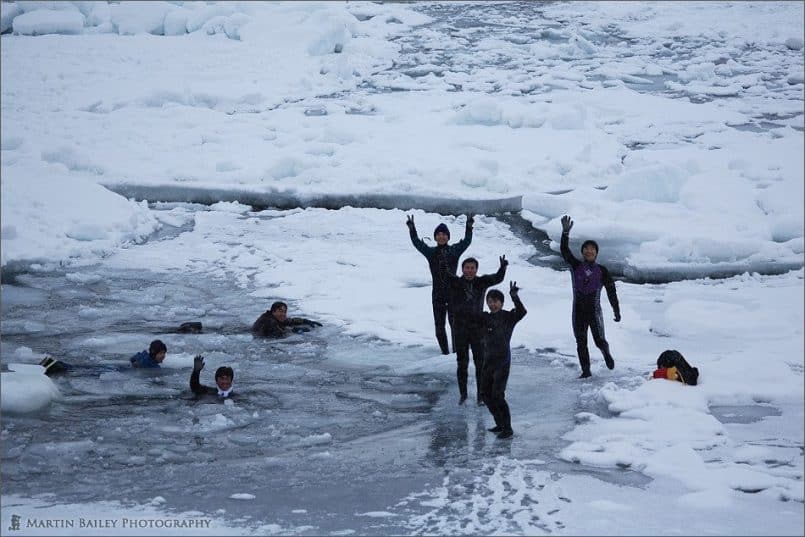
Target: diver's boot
584	361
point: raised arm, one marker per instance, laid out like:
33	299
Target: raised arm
564	243
418	243
300	322
519	308
612	294
463	244
195	385
496	278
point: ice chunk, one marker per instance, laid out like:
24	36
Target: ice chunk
43	22
26	389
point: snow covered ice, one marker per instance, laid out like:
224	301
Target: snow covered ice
170	162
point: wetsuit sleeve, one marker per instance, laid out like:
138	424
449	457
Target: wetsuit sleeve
296	321
612	295
519	310
195	385
260	326
488	280
497	277
463	244
567	255
419	244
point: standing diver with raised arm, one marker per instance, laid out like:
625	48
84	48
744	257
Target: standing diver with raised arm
443	262
588	278
498	326
467	305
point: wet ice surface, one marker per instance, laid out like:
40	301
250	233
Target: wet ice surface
318	441
743	413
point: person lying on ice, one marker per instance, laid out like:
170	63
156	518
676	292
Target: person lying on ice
224	377
275	322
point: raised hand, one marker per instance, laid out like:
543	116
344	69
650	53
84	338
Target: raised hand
513	289
410	221
470	220
617	317
567	223
198	363
503	261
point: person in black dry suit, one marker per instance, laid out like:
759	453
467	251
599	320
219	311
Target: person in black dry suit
588	278
466	304
443	262
275	322
224	378
498	325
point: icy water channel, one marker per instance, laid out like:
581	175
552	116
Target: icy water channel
321	444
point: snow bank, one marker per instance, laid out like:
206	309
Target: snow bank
65	220
136	18
335	24
42	21
663	429
8	11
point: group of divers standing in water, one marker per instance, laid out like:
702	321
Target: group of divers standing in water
459	300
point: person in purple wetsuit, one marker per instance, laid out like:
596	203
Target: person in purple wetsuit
588	278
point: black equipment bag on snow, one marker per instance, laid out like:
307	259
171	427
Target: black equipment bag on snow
673	358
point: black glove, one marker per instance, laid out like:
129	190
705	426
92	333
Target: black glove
567	223
617	316
410	222
470	220
312	323
198	363
300	329
503	262
513	289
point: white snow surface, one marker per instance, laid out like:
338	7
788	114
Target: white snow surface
229	96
